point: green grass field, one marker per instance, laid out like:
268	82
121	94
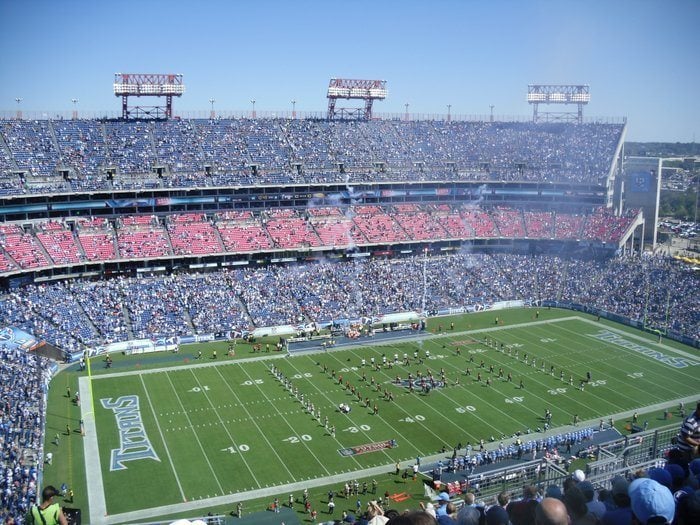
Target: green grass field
227	426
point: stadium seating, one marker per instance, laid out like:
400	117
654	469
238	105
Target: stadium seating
378	226
287	230
141	236
23	377
96	236
539	225
509	222
419	225
59	243
22	247
192	234
479	221
325	291
224	151
605	227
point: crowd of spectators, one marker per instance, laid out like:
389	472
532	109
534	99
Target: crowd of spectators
659	291
49	243
278	151
23	381
668	495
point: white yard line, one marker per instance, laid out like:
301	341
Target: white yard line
274	406
162	437
93	470
662	382
189	421
582	402
369	342
223	425
334	407
252	419
694	358
423	424
231	499
96	497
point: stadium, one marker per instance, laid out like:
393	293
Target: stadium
291	303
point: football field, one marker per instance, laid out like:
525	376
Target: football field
209	431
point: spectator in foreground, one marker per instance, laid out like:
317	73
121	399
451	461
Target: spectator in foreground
621	514
689	436
414	517
575	503
48	513
651	502
468	515
551	511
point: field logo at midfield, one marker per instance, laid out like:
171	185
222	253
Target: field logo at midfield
133	441
613	338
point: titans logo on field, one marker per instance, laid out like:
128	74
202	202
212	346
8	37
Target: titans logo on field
133	441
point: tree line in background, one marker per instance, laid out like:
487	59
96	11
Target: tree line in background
678	204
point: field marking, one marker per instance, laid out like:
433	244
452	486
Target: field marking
196	436
656	371
319	481
313	454
281	462
433	410
334	407
525	406
577	401
682	353
162	437
91	450
370	344
482	400
221	421
275	490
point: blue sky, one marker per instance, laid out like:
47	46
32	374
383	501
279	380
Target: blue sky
640	58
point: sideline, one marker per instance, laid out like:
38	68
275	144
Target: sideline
337	348
93	469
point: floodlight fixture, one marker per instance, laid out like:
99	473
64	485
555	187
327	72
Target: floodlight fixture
354	89
568	94
148	85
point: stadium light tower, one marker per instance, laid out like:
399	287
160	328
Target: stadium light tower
75	108
147	85
19	111
356	89
406	115
212	115
253	102
568	94
492	106
294	109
